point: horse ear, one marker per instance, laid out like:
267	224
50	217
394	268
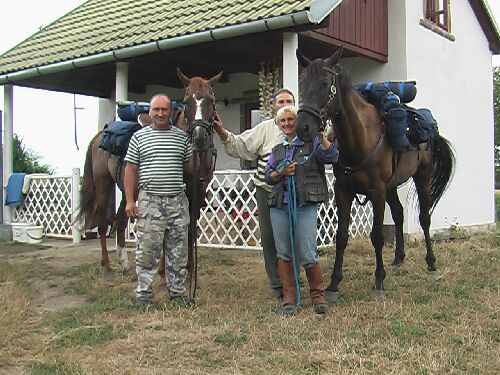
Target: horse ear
212	81
303	61
334	59
185	80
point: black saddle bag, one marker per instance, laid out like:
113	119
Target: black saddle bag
116	136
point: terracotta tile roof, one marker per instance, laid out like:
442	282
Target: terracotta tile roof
99	26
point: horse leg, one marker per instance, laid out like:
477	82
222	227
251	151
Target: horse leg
102	202
343	200
102	229
423	186
398	218
377	237
121	225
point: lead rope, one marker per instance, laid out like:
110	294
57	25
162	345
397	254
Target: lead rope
193	245
292	221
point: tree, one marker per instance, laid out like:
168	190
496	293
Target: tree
26	160
496	106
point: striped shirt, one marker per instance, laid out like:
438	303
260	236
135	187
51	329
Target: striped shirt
160	154
255	144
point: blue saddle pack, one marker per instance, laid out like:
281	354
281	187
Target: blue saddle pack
116	136
130	110
403	124
422	126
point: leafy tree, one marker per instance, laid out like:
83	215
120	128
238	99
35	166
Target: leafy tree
496	105
26	160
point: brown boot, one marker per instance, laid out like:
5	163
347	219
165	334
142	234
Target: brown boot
285	270
317	288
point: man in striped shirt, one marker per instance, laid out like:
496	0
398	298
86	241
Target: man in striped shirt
156	158
256	144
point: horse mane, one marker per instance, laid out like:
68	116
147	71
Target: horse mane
316	70
345	79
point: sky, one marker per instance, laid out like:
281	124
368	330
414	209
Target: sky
45	120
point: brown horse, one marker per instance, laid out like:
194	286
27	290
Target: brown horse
197	118
100	171
367	161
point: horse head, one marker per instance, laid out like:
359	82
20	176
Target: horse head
320	92
199	109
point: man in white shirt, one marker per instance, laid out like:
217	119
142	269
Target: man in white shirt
256	144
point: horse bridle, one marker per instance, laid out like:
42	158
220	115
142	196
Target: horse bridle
333	96
208	125
321	116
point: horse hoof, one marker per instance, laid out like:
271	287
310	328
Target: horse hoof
379	294
434	274
397	263
108	275
332	297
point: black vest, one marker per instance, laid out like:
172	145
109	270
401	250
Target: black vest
310	179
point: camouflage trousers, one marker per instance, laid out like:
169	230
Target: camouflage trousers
162	223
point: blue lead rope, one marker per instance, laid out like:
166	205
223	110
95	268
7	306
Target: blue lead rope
292	221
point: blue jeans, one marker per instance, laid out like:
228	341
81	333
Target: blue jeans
305	234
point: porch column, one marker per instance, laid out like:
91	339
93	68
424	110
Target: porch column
8	133
121	93
290	63
121	85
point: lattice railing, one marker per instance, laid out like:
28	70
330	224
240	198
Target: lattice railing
230	218
228	221
49	204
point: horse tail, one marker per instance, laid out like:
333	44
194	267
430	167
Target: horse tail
88	192
443	168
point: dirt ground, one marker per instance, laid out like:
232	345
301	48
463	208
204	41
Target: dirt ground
56	254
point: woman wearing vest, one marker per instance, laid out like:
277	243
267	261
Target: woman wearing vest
302	192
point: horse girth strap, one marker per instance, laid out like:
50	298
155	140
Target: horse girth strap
349	170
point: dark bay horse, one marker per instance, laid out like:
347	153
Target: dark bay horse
100	171
366	161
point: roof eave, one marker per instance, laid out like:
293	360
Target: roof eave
315	15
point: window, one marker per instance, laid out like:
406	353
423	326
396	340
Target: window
437	17
438	12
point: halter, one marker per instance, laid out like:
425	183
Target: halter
333	95
198	120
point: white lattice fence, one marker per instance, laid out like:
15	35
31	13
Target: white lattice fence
49	204
229	220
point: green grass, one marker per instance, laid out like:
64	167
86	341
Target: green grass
88	335
58	367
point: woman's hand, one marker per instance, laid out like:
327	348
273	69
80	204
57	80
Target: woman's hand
289	170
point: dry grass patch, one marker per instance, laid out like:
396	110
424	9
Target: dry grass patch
425	325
